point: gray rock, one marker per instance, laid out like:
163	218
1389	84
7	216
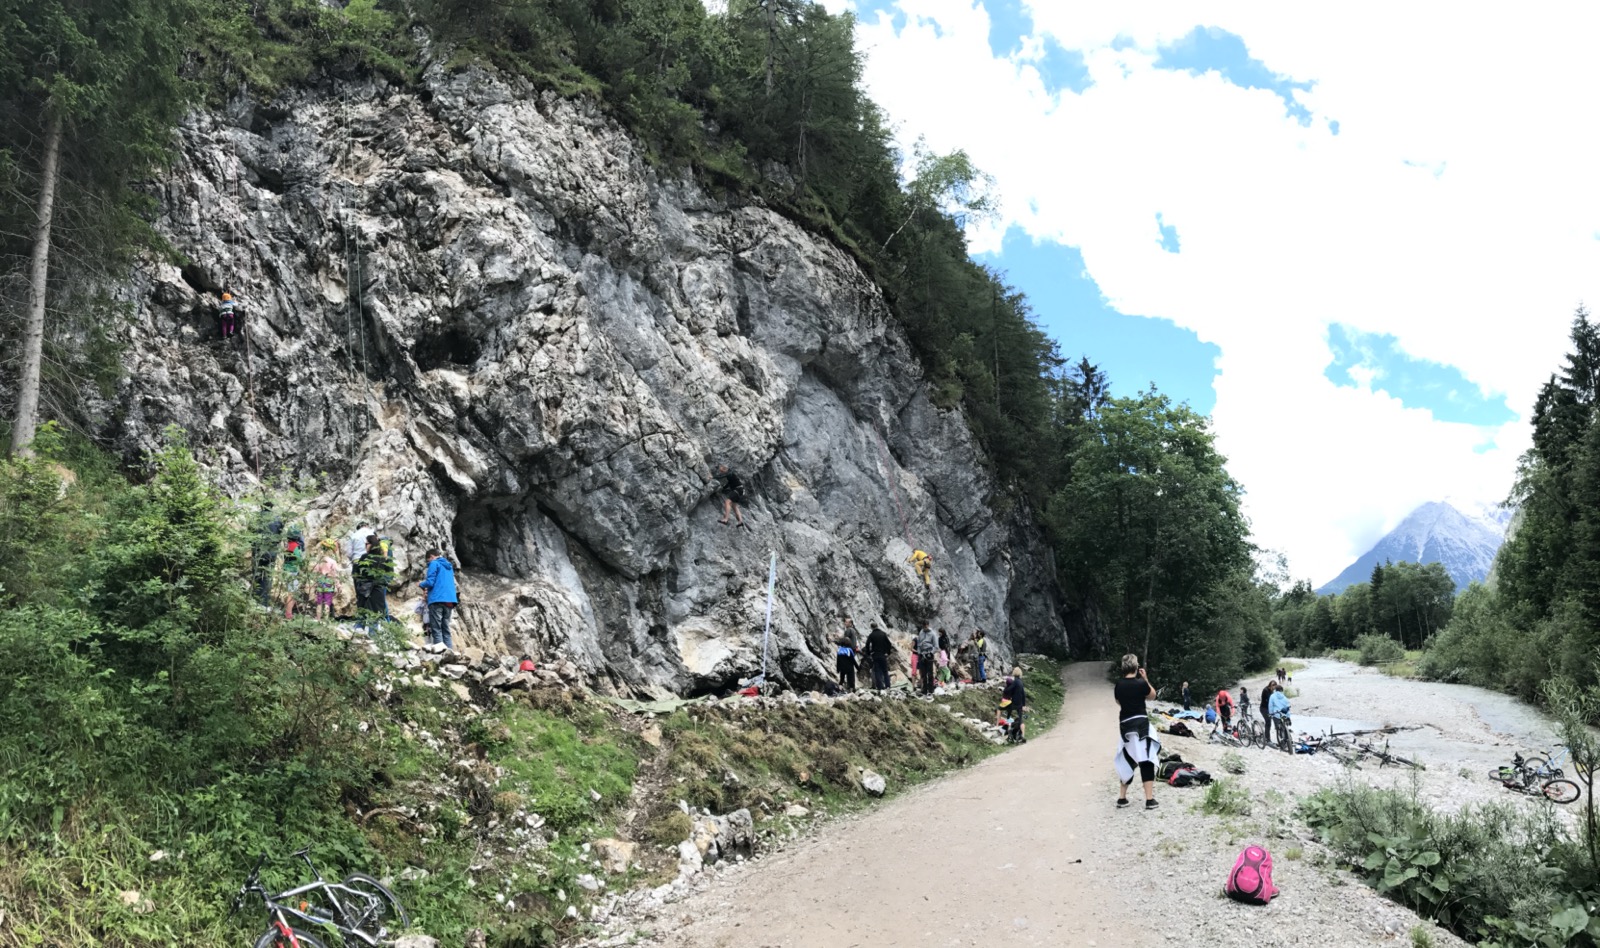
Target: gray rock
873	783
492	324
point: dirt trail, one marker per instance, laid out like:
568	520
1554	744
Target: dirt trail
1004	850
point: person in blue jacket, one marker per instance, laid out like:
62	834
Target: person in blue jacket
1278	709
440	584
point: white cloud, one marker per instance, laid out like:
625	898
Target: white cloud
1287	228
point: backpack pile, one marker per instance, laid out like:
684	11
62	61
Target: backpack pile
1177	773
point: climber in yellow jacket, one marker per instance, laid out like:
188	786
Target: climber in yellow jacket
923	564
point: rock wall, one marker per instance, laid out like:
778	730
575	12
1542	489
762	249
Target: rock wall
478	313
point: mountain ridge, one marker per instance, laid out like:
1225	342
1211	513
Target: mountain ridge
1465	542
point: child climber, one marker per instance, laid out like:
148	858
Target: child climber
227	315
324	579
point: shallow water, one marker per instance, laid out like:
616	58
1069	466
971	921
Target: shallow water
1456	726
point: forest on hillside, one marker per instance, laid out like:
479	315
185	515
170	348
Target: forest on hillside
764	102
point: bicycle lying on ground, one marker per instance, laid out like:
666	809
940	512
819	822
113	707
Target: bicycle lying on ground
1533	776
360	908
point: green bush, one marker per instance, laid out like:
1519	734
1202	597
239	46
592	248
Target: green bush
1377	649
151	707
1225	797
1502	873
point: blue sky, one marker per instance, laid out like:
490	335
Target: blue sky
1375	360
1379	242
1132	350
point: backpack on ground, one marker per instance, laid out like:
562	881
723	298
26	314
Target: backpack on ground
1170	767
1181	729
1251	878
1188	775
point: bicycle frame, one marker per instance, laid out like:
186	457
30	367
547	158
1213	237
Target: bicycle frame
280	907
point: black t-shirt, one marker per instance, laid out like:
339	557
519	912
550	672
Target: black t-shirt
1131	693
878	642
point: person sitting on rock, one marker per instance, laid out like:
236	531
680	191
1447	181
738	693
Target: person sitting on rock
845	654
923	564
440	585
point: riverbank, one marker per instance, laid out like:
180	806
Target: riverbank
1029	846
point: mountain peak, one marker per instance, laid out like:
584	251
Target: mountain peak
1461	534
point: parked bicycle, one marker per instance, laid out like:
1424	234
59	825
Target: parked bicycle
361	909
1284	725
1530	776
1550	766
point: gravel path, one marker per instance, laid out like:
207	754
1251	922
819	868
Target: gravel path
1027	848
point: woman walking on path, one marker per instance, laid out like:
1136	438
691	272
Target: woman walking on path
1139	750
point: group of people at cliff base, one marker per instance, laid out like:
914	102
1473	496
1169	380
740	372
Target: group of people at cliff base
280	566
932	664
932	659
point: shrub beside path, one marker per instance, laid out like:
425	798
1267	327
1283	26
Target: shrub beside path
1027	848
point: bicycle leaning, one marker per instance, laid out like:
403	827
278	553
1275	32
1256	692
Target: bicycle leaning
360	908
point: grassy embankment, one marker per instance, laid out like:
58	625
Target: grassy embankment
1405	667
163	731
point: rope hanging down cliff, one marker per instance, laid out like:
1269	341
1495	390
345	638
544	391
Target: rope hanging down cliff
920	561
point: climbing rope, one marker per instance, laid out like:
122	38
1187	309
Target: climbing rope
893	478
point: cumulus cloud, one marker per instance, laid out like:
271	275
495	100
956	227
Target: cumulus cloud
1454	210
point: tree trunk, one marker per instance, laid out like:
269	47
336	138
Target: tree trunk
26	422
772	41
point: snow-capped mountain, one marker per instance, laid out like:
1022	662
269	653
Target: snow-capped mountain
1462	535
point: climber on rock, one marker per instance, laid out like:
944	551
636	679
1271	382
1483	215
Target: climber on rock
227	314
731	487
923	564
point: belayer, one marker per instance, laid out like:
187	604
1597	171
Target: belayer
845	654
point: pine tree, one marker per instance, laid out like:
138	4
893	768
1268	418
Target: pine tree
89	91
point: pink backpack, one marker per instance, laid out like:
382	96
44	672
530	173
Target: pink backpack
1251	878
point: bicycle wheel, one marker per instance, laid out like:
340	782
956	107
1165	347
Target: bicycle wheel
1247	732
387	912
1561	791
1534	764
272	938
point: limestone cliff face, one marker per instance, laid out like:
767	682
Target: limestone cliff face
478	313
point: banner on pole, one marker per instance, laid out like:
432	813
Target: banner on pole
766	634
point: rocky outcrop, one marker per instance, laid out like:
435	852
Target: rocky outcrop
478	313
